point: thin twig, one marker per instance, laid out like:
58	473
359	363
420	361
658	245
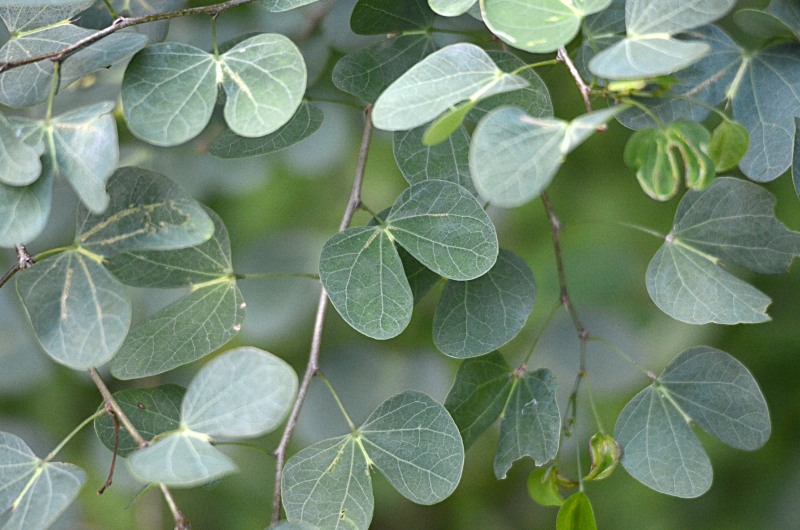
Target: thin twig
24	261
585	89
111	404
316	339
118	24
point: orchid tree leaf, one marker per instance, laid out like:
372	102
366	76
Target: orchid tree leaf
54	486
479	394
305	122
531	423
25	15
80	313
19	162
24	210
763	26
451	8
478	316
447	123
278	6
672	16
787	11
379	17
576	513
648	56
448	160
17	464
444	227
729	142
99	16
443	79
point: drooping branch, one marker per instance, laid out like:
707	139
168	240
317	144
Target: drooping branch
316	339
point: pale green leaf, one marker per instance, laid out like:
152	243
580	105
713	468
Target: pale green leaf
414	442
186	330
442	225
538	26
478	395
52	490
672	16
440	81
303	124
659	448
728	145
451	8
19	162
576	513
264	79
147	212
183	459
17	464
447	123
363	276
245	392
543	487
367	72
646	56
328	485
448	160
288	525
168	93
475	317
79	312
24	209
25	15
376	17
531	423
277	6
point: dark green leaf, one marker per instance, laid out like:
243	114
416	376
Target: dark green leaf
763	26
728	145
448	160
576	513
374	17
420	278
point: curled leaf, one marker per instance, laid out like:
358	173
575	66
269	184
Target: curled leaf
605	452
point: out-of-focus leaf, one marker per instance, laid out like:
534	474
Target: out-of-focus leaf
448	160
451	8
576	513
605	453
376	17
728	145
543	487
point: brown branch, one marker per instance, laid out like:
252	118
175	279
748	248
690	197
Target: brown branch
316	339
119	24
24	261
585	89
112	405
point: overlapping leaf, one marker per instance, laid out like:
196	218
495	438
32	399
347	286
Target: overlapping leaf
24	209
377	17
99	16
278	6
25	15
576	513
448	160
451	8
19	162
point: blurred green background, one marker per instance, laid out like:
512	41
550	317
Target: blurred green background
280	210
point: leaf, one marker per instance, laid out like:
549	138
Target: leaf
328	485
448	160
538	26
245	392
646	56
441	80
531	423
443	226
475	317
186	330
53	487
478	395
543	487
305	122
147	212
363	276
514	156
152	411
19	162
24	209
605	453
720	394
576	513
762	25
278	6
264	79
375	17
367	72
79	312
787	11
99	17
183	459
446	124
24	15
673	16
414	442
451	8
17	463
659	448
728	145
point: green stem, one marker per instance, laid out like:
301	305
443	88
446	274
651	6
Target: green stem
535	65
593	406
263	275
214	36
615	349
53	89
71	435
53	251
111	9
350	423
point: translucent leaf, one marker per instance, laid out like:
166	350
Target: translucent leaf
245	392
52	490
17	464
451	8
478	395
264	79
414	442
303	124
183	459
543	487
152	411
531	424
328	485
442	225
147	212
609	21
672	16
277	6
79	312
453	74
659	448
168	93
186	330
475	317
576	513
24	209
448	160
720	394
24	15
646	56
447	123
367	72
376	17
538	26
19	162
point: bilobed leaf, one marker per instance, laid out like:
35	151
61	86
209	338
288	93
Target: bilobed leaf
277	6
477	316
264	78
24	209
442	225
79	312
182	459
576	513
363	276
538	26
375	17
478	395
414	442
440	81
147	212
17	463
186	330
448	160
305	122
531	424
328	485
728	145
245	392
51	491
152	411
451	8
647	56
367	72
19	162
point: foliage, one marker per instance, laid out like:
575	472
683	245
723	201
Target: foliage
474	132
